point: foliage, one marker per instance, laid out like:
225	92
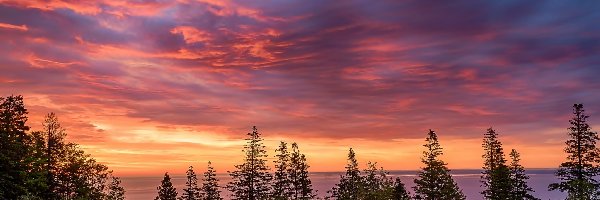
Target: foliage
281	180
519	188
191	192
166	191
300	183
210	185
496	175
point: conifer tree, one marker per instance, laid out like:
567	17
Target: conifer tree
281	180
434	181
115	190
300	183
191	190
519	188
251	180
210	184
54	135
13	148
577	174
350	184
496	174
376	185
166	191
400	192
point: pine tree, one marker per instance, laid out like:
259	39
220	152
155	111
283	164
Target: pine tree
191	192
115	190
350	185
400	192
13	148
210	184
519	188
496	174
434	181
251	180
54	135
281	180
166	191
300	183
578	173
376	185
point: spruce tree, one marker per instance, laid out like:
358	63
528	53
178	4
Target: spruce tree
434	181
54	135
577	174
400	192
281	180
166	191
13	147
350	185
251	180
300	183
115	190
376	185
210	184
496	174
191	190
518	179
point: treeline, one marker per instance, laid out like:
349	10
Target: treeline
36	165
501	179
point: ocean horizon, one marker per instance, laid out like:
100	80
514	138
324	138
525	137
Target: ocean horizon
144	187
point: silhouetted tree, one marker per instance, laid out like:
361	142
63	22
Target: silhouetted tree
518	179
434	181
376	185
281	180
166	191
351	183
54	135
251	179
400	192
210	184
300	183
115	190
13	147
496	174
578	173
191	190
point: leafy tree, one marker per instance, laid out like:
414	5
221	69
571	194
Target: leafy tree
115	190
210	184
496	174
434	181
166	191
191	192
578	172
351	183
281	180
300	183
519	188
251	179
400	192
13	147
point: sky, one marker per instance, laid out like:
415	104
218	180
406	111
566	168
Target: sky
154	86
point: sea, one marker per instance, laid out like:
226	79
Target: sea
145	187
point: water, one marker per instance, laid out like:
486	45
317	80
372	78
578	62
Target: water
144	188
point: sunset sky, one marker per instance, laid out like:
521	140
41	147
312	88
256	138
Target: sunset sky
154	86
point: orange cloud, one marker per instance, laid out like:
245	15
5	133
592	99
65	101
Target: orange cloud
14	27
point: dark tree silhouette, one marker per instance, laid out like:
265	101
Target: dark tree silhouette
54	135
281	180
351	183
578	173
519	188
300	183
251	180
166	191
400	192
115	190
376	185
496	175
191	190
13	147
210	184
434	181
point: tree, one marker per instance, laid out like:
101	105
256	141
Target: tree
400	192
300	183
519	188
351	183
281	180
578	172
376	185
434	180
115	190
210	184
54	135
251	180
496	175
13	147
191	192
166	191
